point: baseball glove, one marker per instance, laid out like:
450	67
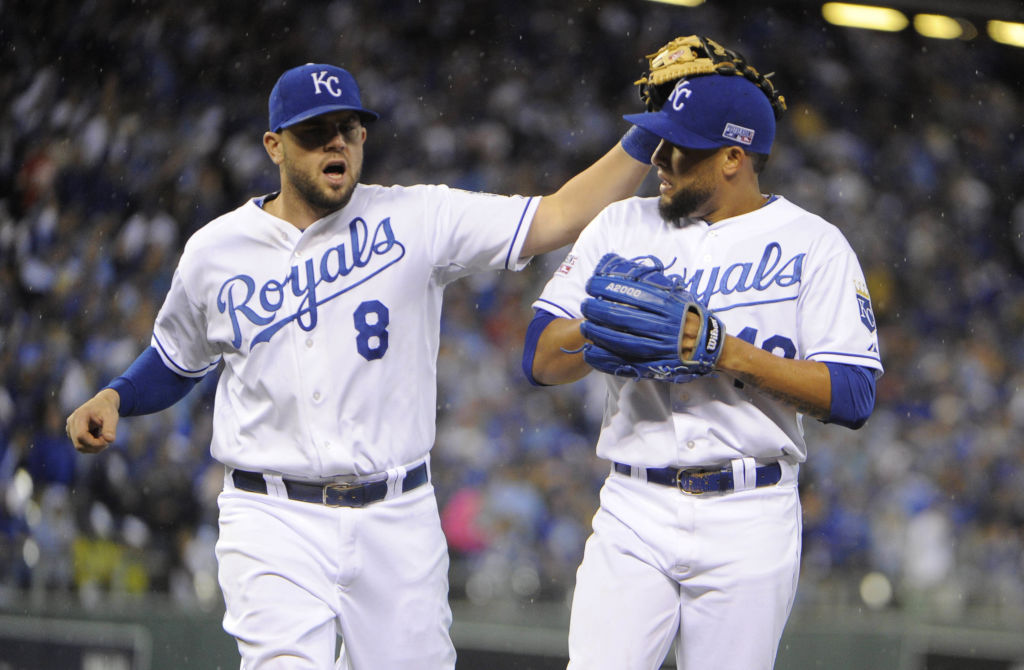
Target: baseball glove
634	321
693	56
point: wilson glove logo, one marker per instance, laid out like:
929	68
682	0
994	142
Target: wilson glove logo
714	329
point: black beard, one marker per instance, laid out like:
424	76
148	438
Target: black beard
319	200
682	205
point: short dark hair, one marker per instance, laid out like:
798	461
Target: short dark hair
758	161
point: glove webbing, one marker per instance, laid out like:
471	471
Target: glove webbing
695	55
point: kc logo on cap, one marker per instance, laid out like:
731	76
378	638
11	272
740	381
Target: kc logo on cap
327	81
313	89
711	111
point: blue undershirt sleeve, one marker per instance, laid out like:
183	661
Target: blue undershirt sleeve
540	321
148	386
853	394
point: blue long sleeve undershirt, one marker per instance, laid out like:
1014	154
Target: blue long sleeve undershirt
149	386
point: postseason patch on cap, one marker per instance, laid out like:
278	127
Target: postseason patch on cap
738	134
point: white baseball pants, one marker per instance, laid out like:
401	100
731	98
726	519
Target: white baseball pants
297	576
716	574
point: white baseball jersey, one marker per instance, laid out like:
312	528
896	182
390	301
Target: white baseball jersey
779	277
329	336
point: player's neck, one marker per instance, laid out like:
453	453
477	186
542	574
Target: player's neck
742	203
294	210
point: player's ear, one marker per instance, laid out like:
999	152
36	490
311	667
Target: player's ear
272	143
732	159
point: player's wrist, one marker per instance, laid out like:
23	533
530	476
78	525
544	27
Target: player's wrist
640	144
111	396
733	355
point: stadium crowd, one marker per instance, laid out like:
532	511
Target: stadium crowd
127	125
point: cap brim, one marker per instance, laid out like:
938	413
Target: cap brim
365	115
662	126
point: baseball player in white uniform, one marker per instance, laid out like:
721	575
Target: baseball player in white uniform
697	537
321	303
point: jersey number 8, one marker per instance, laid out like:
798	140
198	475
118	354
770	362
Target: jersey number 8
371	320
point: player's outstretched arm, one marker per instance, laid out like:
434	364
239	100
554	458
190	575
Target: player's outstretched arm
562	215
804	384
147	386
93	426
552	362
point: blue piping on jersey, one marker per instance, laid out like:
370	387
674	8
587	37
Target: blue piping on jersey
752	304
184	371
508	257
548	302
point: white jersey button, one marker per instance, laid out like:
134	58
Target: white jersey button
309	342
316	396
690	444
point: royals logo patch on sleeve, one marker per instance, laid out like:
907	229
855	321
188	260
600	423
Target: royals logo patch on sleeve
867	315
567	265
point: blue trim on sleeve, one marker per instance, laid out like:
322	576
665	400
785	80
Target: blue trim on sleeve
814	354
509	261
540	321
185	371
149	386
568	314
853	394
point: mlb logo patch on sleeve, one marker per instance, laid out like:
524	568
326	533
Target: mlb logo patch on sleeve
567	265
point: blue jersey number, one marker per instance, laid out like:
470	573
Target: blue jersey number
371	319
777	344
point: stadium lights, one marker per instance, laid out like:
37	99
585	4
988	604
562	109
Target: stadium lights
864	16
681	3
935	26
875	17
1007	32
942	27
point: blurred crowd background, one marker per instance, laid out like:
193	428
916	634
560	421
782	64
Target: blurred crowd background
125	126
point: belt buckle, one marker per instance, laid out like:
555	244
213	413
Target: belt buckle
695	473
343	491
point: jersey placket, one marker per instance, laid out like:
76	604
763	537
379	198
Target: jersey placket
306	340
690	441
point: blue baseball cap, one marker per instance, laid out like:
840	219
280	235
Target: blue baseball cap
311	90
713	111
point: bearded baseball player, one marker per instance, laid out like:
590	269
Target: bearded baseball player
719	316
322	302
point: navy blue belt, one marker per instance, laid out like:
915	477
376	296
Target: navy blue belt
332	494
705	481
